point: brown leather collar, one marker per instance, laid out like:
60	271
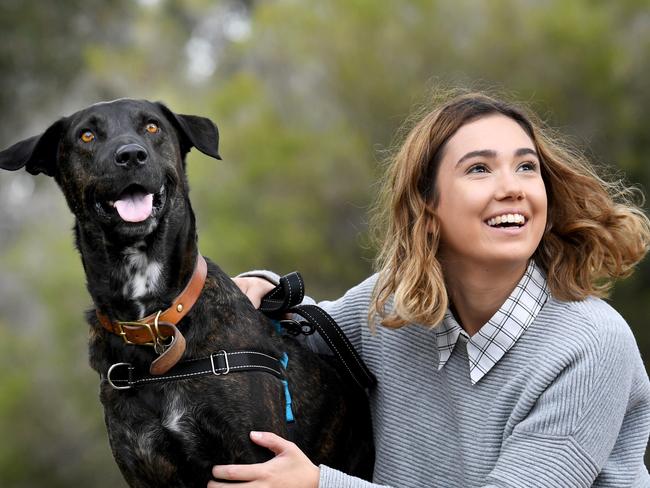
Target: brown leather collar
157	329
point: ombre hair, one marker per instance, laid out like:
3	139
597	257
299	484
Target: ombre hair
595	233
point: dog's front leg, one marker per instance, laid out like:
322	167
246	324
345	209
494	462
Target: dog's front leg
145	453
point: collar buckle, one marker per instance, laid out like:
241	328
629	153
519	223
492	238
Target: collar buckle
125	336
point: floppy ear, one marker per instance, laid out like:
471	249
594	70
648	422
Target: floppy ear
194	131
37	154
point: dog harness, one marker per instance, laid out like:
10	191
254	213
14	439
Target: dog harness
159	330
283	299
123	376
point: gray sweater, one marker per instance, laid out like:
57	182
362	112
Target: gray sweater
567	406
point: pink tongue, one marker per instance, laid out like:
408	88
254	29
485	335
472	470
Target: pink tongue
135	208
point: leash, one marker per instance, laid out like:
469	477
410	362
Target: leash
286	298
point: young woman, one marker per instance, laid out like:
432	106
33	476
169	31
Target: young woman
497	363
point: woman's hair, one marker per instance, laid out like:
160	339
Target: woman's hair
595	233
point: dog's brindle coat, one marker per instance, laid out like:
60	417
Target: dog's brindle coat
170	434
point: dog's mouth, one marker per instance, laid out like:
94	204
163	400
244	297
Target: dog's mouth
134	204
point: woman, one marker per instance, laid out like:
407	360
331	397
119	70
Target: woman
497	363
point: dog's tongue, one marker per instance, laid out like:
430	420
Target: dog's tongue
135	207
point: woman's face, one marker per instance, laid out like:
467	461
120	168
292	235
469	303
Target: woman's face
491	196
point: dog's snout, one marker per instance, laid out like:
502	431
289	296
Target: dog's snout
130	155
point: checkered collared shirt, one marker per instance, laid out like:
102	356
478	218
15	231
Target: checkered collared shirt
500	333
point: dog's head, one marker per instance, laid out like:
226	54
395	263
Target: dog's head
120	164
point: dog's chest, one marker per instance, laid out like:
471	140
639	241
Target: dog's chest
144	426
138	274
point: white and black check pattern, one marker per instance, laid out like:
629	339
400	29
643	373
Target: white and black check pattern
500	333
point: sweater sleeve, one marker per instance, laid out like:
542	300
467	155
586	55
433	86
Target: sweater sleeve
331	478
589	425
269	276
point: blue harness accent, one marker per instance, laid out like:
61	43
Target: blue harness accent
284	361
278	327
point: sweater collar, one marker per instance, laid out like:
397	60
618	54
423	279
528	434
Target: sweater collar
499	334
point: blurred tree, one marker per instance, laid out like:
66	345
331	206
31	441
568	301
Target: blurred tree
309	97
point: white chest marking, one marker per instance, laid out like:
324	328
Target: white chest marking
175	420
141	275
173	415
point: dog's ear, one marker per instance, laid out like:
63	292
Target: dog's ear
37	153
194	131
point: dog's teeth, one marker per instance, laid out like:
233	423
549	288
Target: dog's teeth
112	204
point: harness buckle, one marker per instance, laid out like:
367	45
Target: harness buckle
296	328
225	357
128	380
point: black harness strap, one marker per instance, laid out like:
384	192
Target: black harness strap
289	293
123	376
285	298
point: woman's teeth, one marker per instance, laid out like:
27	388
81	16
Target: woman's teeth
506	219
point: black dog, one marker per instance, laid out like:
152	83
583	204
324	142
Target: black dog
121	167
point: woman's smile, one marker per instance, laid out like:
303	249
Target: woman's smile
508	223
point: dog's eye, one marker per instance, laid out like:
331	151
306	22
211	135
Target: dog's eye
152	128
87	136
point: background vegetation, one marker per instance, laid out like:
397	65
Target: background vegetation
309	96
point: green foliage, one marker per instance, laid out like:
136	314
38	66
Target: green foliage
309	97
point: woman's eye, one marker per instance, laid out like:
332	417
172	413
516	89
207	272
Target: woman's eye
477	168
528	166
87	136
152	128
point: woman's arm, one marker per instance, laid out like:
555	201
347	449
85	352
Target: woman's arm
290	468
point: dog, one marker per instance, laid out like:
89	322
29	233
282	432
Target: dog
121	166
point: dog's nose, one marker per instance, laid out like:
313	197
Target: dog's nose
131	154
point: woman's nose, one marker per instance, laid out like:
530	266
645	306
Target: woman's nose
509	186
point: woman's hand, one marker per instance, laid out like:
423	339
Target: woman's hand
254	288
290	468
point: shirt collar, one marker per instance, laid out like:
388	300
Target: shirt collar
499	334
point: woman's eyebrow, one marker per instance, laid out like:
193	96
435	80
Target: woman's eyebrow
524	151
484	153
491	153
